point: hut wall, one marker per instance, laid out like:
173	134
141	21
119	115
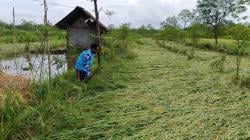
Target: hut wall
80	35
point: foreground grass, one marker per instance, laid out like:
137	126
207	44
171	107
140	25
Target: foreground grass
158	95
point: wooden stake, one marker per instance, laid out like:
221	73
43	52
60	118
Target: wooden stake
98	33
14	36
46	39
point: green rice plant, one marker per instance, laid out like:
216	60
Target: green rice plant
11	102
14	113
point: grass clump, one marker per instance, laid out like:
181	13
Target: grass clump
219	63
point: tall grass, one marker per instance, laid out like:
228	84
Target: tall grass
14	112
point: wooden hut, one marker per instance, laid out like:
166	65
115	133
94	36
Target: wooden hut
81	27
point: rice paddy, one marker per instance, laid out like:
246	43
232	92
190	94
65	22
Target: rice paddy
157	95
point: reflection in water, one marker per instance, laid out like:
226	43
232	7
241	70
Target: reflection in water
35	67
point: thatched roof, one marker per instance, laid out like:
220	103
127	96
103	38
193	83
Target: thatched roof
75	14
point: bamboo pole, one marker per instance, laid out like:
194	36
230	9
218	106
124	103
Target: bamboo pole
14	36
98	33
46	40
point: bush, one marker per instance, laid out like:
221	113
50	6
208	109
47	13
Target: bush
219	63
206	46
245	82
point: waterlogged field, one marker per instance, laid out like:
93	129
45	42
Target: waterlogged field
11	50
157	95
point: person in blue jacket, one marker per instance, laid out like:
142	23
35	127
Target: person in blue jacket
84	62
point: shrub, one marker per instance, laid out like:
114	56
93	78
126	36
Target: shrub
219	63
206	46
245	82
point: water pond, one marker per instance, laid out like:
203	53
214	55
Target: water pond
34	67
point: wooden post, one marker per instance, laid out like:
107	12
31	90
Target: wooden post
13	26
14	36
98	33
46	39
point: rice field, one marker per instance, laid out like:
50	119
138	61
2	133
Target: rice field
11	50
157	95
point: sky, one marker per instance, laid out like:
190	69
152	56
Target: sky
135	12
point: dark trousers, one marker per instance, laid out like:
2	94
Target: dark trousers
81	75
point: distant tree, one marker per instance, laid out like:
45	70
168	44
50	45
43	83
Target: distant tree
143	27
170	22
149	27
109	13
214	12
3	27
225	25
123	35
146	30
111	26
186	16
241	34
27	25
124	31
3	24
171	33
142	30
194	33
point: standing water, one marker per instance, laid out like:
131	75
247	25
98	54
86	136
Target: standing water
35	67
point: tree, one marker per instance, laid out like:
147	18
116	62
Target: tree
214	12
142	30
171	34
186	16
194	33
150	27
3	24
27	25
124	32
109	13
111	26
241	34
170	22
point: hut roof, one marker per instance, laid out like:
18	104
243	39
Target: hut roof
74	15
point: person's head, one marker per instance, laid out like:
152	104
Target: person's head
95	48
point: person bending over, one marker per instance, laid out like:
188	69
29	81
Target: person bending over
84	62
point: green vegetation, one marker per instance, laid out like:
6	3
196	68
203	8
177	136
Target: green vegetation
28	34
158	94
240	34
7	50
214	12
175	82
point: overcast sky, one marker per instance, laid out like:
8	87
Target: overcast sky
136	12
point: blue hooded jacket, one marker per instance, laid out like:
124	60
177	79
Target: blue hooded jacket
84	61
